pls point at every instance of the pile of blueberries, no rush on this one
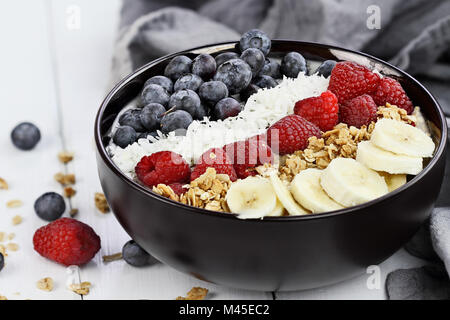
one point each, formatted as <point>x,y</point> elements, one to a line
<point>209,87</point>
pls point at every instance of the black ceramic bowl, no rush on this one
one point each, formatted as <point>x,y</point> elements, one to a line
<point>279,253</point>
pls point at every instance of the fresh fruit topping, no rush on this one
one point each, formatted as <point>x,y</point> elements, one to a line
<point>322,110</point>
<point>235,73</point>
<point>292,64</point>
<point>132,118</point>
<point>254,58</point>
<point>204,66</point>
<point>50,206</point>
<point>134,255</point>
<point>67,241</point>
<point>176,120</point>
<point>393,181</point>
<point>248,92</point>
<point>215,158</point>
<point>145,135</point>
<point>164,82</point>
<point>223,57</point>
<point>25,136</point>
<point>391,91</point>
<point>124,136</point>
<point>349,80</point>
<point>271,68</point>
<point>177,67</point>
<point>325,68</point>
<point>186,100</point>
<point>291,134</point>
<point>285,196</point>
<point>359,111</point>
<point>212,92</point>
<point>151,116</point>
<point>188,81</point>
<point>379,159</point>
<point>307,190</point>
<point>164,167</point>
<point>154,93</point>
<point>225,108</point>
<point>178,188</point>
<point>251,198</point>
<point>202,112</point>
<point>401,138</point>
<point>350,183</point>
<point>263,81</point>
<point>255,39</point>
<point>278,211</point>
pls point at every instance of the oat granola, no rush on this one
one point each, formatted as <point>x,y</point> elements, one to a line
<point>16,220</point>
<point>3,184</point>
<point>100,202</point>
<point>81,288</point>
<point>12,246</point>
<point>69,192</point>
<point>65,156</point>
<point>45,284</point>
<point>65,179</point>
<point>14,204</point>
<point>196,293</point>
<point>112,257</point>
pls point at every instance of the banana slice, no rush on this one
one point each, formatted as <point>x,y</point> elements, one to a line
<point>307,190</point>
<point>278,211</point>
<point>251,198</point>
<point>393,181</point>
<point>381,160</point>
<point>285,197</point>
<point>402,138</point>
<point>349,183</point>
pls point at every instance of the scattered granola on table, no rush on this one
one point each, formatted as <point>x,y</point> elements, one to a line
<point>65,156</point>
<point>11,236</point>
<point>65,179</point>
<point>45,284</point>
<point>112,257</point>
<point>2,236</point>
<point>3,184</point>
<point>14,204</point>
<point>196,293</point>
<point>69,192</point>
<point>73,212</point>
<point>81,288</point>
<point>3,250</point>
<point>12,246</point>
<point>16,220</point>
<point>3,297</point>
<point>100,202</point>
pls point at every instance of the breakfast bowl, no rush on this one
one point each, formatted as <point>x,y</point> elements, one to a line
<point>275,253</point>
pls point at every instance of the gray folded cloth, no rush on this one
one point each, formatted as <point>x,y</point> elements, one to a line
<point>414,35</point>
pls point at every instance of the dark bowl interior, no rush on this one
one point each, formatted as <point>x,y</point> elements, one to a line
<point>279,253</point>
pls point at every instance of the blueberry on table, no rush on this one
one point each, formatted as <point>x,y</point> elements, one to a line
<point>50,206</point>
<point>164,82</point>
<point>151,116</point>
<point>255,59</point>
<point>177,67</point>
<point>293,63</point>
<point>226,108</point>
<point>325,68</point>
<point>212,91</point>
<point>132,118</point>
<point>225,56</point>
<point>25,136</point>
<point>189,81</point>
<point>175,120</point>
<point>2,261</point>
<point>248,92</point>
<point>235,73</point>
<point>204,65</point>
<point>124,136</point>
<point>154,93</point>
<point>134,255</point>
<point>186,100</point>
<point>265,82</point>
<point>272,69</point>
<point>255,39</point>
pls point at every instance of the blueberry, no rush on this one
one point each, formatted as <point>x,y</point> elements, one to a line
<point>154,93</point>
<point>213,91</point>
<point>189,81</point>
<point>134,255</point>
<point>265,82</point>
<point>164,82</point>
<point>272,69</point>
<point>145,135</point>
<point>178,67</point>
<point>293,63</point>
<point>223,57</point>
<point>132,118</point>
<point>151,116</point>
<point>25,136</point>
<point>2,261</point>
<point>226,108</point>
<point>249,91</point>
<point>125,136</point>
<point>255,39</point>
<point>325,68</point>
<point>50,206</point>
<point>175,120</point>
<point>204,66</point>
<point>255,59</point>
<point>202,112</point>
<point>186,100</point>
<point>236,74</point>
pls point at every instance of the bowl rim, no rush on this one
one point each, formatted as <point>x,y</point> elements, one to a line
<point>194,210</point>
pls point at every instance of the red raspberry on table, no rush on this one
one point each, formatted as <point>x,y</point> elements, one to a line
<point>67,241</point>
<point>162,167</point>
<point>391,91</point>
<point>291,133</point>
<point>214,158</point>
<point>349,80</point>
<point>322,110</point>
<point>358,111</point>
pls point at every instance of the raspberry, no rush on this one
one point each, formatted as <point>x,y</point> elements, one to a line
<point>214,158</point>
<point>358,111</point>
<point>322,110</point>
<point>391,91</point>
<point>291,133</point>
<point>162,167</point>
<point>67,241</point>
<point>247,155</point>
<point>177,188</point>
<point>349,80</point>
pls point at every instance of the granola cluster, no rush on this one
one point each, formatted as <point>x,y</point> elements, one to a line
<point>393,112</point>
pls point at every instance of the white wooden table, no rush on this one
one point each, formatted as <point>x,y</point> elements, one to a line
<point>61,92</point>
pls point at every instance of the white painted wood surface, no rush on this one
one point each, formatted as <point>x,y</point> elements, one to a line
<point>28,92</point>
